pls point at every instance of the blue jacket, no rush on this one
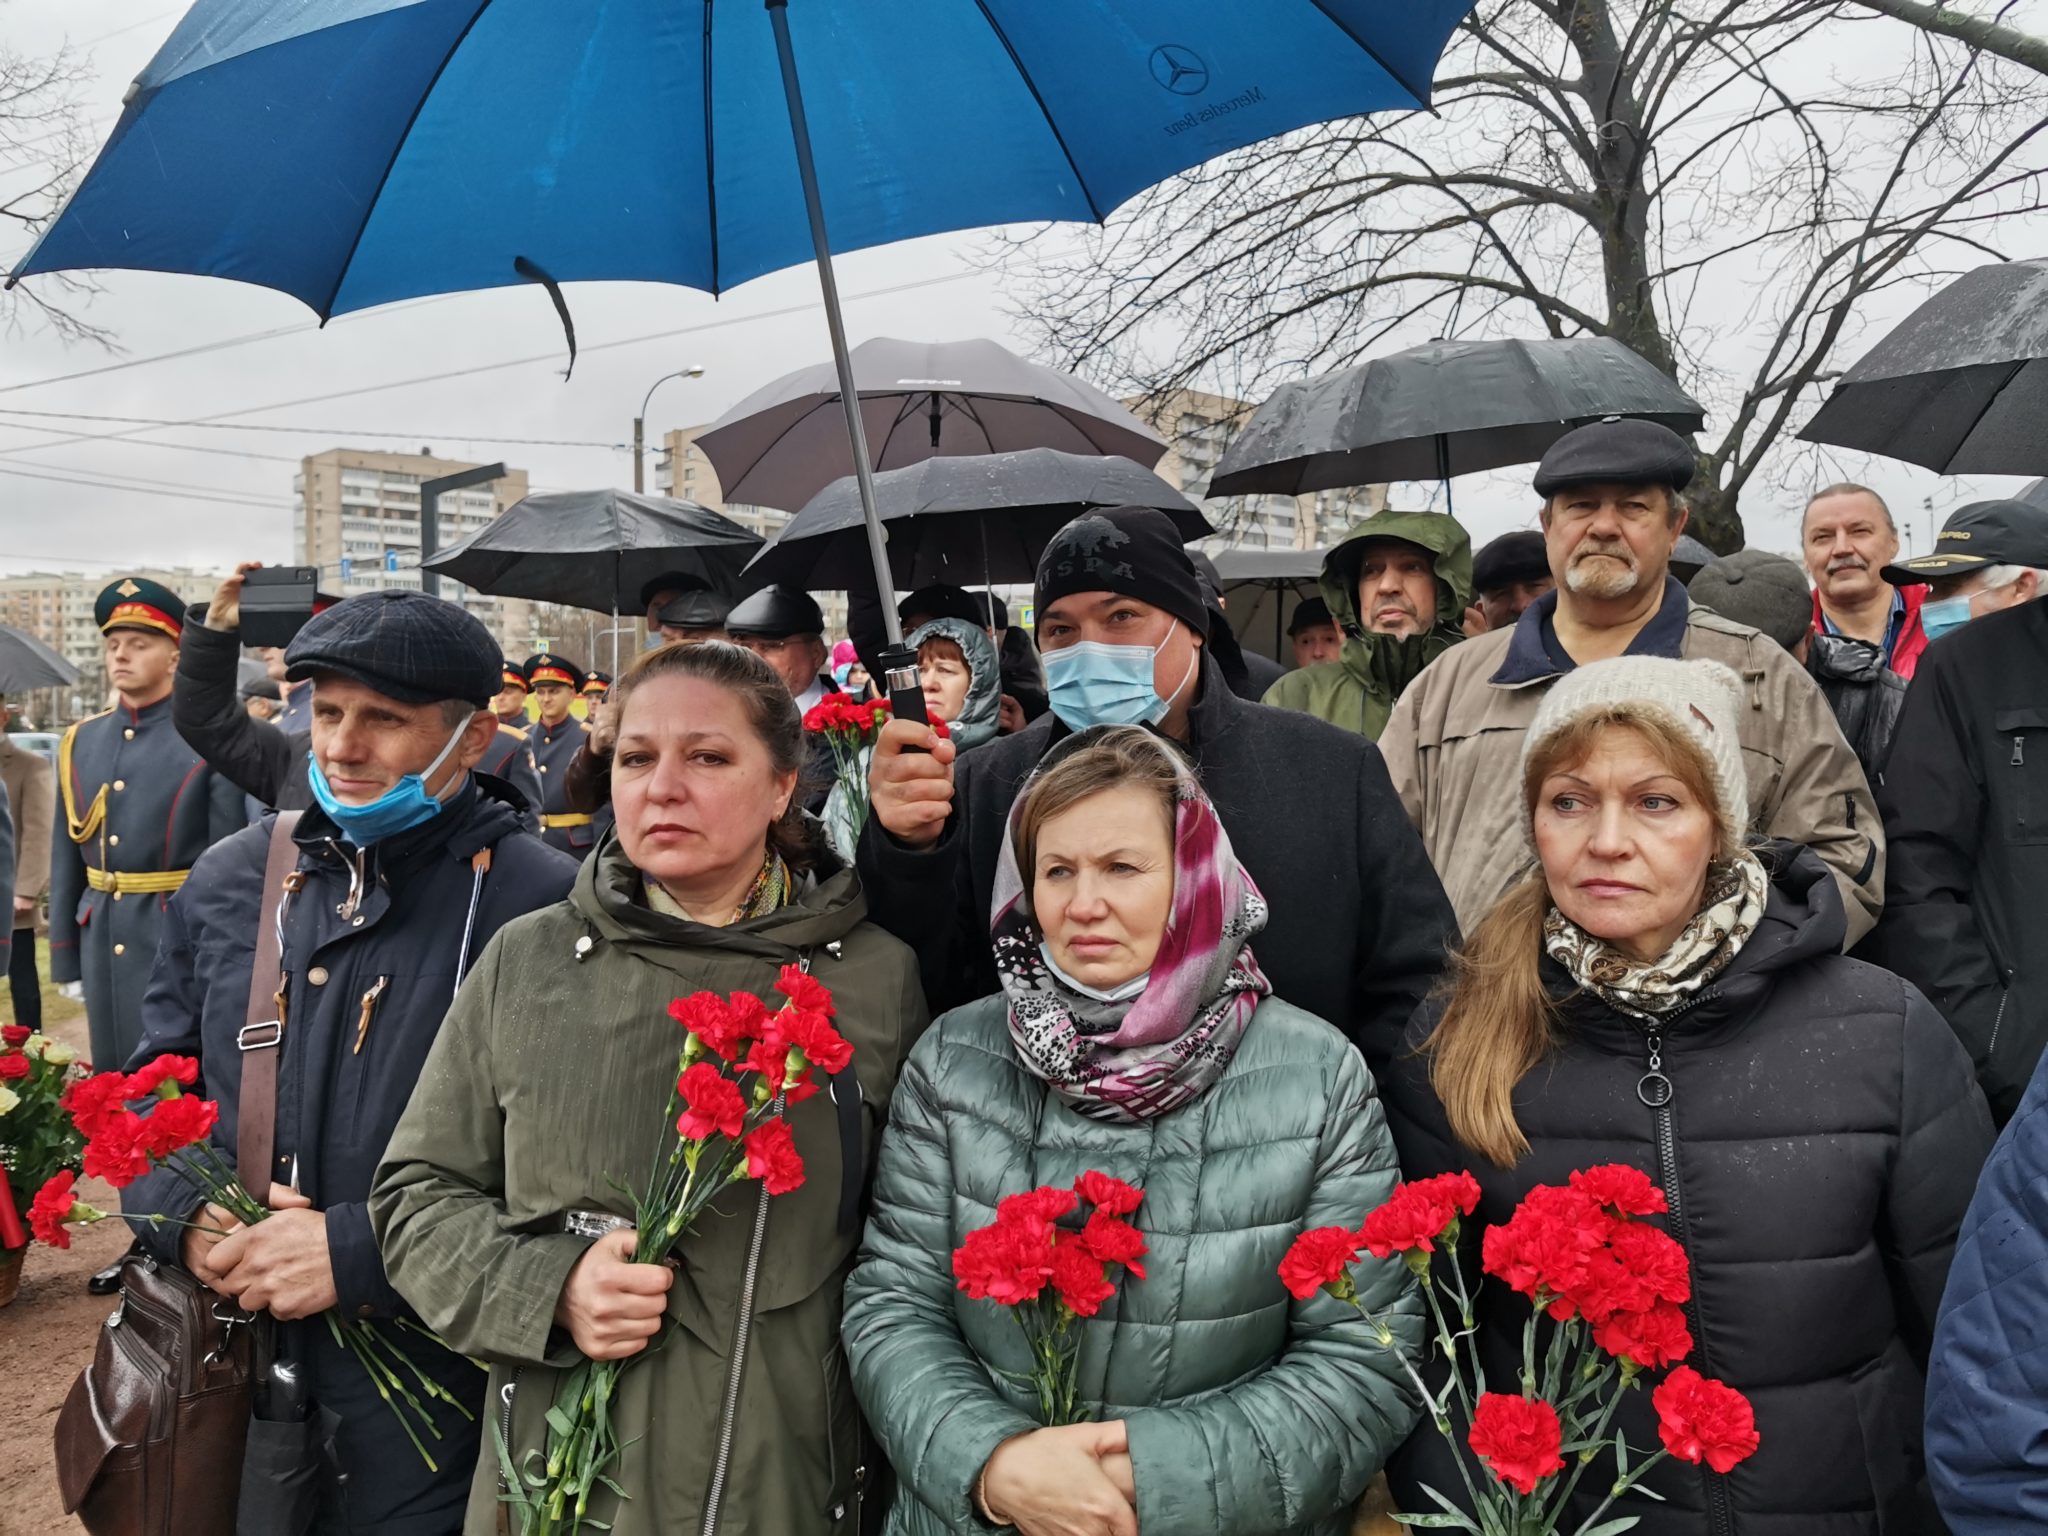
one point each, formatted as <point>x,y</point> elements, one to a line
<point>390,920</point>
<point>1987,1384</point>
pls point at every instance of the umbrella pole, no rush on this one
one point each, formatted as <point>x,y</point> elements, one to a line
<point>1443,469</point>
<point>849,397</point>
<point>988,584</point>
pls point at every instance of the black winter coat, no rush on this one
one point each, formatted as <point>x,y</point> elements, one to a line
<point>390,920</point>
<point>1863,692</point>
<point>1826,1139</point>
<point>1360,923</point>
<point>1965,802</point>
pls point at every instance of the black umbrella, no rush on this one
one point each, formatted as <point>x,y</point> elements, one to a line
<point>787,441</point>
<point>594,549</point>
<point>1960,385</point>
<point>1448,408</point>
<point>1261,588</point>
<point>983,518</point>
<point>27,664</point>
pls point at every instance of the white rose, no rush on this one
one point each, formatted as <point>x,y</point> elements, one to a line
<point>55,1052</point>
<point>8,1098</point>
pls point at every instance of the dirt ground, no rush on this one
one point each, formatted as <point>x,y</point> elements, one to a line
<point>47,1337</point>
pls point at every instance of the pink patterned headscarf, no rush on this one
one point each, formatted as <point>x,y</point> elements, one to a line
<point>1147,1055</point>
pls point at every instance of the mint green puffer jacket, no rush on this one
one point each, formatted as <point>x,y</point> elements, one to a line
<point>1247,1411</point>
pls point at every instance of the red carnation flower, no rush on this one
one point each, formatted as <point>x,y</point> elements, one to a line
<point>940,729</point>
<point>1047,1204</point>
<point>14,1036</point>
<point>115,1154</point>
<point>14,1065</point>
<point>1703,1420</point>
<point>772,1158</point>
<point>1006,1262</point>
<point>804,990</point>
<point>718,1024</point>
<point>1653,1257</point>
<point>1320,1258</point>
<point>166,1068</point>
<point>1108,1194</point>
<point>96,1102</point>
<point>1543,1250</point>
<point>1519,1439</point>
<point>769,1056</point>
<point>812,1033</point>
<point>1624,1190</point>
<point>1419,1213</point>
<point>1115,1241</point>
<point>54,1205</point>
<point>1652,1339</point>
<point>176,1124</point>
<point>714,1104</point>
<point>1078,1276</point>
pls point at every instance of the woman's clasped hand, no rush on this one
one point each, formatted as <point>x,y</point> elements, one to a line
<point>1073,1480</point>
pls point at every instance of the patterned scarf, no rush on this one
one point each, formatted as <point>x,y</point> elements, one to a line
<point>1731,907</point>
<point>773,889</point>
<point>1129,1060</point>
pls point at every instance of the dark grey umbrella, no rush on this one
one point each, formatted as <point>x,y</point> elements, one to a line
<point>1448,408</point>
<point>983,518</point>
<point>787,441</point>
<point>1960,385</point>
<point>1261,588</point>
<point>595,549</point>
<point>26,663</point>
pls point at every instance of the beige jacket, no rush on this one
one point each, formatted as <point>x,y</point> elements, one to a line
<point>1453,749</point>
<point>30,797</point>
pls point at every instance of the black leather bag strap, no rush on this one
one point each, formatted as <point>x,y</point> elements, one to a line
<point>262,1037</point>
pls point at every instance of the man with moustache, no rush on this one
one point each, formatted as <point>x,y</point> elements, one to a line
<point>1611,516</point>
<point>1848,537</point>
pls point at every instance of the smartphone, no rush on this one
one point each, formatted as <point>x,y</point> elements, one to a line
<point>276,602</point>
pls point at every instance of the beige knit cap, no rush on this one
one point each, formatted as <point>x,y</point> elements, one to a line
<point>1701,698</point>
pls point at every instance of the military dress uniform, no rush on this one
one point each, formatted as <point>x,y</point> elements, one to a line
<point>135,808</point>
<point>554,749</point>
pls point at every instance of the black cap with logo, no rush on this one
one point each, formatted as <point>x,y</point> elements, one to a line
<point>1980,534</point>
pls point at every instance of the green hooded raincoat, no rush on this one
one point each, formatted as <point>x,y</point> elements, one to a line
<point>1357,691</point>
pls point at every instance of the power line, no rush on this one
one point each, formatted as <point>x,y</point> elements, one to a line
<point>408,433</point>
<point>214,497</point>
<point>168,447</point>
<point>516,362</point>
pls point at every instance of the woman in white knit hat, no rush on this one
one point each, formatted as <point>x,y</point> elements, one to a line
<point>1659,991</point>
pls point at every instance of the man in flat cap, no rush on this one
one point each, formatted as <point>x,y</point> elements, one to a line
<point>691,618</point>
<point>785,628</point>
<point>1508,575</point>
<point>1359,922</point>
<point>556,737</point>
<point>1965,794</point>
<point>269,761</point>
<point>136,807</point>
<point>1314,633</point>
<point>389,889</point>
<point>1397,584</point>
<point>1611,515</point>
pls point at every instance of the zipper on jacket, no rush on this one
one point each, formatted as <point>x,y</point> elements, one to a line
<point>2019,751</point>
<point>505,1424</point>
<point>1656,1091</point>
<point>739,1359</point>
<point>1998,1019</point>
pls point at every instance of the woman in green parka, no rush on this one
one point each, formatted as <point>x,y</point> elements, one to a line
<point>1135,1035</point>
<point>546,1088</point>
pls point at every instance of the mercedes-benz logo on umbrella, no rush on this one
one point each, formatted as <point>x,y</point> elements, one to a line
<point>1180,69</point>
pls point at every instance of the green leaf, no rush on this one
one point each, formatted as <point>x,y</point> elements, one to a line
<point>560,1423</point>
<point>1614,1527</point>
<point>1437,1522</point>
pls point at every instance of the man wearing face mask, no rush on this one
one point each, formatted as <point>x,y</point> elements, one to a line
<point>1359,923</point>
<point>408,865</point>
<point>1965,795</point>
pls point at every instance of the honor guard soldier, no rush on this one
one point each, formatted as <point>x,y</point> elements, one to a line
<point>510,704</point>
<point>510,754</point>
<point>556,738</point>
<point>136,807</point>
<point>596,689</point>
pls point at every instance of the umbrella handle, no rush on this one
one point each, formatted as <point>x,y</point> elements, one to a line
<point>899,676</point>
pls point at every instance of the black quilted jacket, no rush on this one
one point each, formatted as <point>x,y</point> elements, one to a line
<point>1825,1138</point>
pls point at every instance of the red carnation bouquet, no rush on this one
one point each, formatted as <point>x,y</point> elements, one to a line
<point>850,728</point>
<point>1613,1288</point>
<point>37,1139</point>
<point>1050,1276</point>
<point>740,1066</point>
<point>122,1144</point>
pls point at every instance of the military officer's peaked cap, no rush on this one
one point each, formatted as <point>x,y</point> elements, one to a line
<point>515,675</point>
<point>1617,450</point>
<point>547,667</point>
<point>405,645</point>
<point>597,683</point>
<point>136,602</point>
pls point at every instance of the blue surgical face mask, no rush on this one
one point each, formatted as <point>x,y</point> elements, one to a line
<point>1090,683</point>
<point>400,808</point>
<point>1937,619</point>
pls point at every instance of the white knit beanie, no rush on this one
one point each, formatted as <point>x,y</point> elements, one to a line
<point>1701,698</point>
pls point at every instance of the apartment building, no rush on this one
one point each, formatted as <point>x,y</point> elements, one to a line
<point>57,608</point>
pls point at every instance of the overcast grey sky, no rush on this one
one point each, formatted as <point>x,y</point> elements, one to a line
<point>500,356</point>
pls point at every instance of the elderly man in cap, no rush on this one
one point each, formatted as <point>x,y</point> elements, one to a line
<point>1359,923</point>
<point>691,618</point>
<point>1508,575</point>
<point>400,875</point>
<point>1965,795</point>
<point>136,807</point>
<point>1611,514</point>
<point>786,629</point>
<point>268,760</point>
<point>1398,584</point>
<point>1847,538</point>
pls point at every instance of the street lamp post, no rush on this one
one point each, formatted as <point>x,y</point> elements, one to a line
<point>694,371</point>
